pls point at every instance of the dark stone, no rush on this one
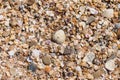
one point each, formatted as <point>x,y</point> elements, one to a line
<point>70,74</point>
<point>32,67</point>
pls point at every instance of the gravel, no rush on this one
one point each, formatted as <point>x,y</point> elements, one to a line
<point>68,50</point>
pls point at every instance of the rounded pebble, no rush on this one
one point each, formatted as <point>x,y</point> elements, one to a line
<point>46,60</point>
<point>59,36</point>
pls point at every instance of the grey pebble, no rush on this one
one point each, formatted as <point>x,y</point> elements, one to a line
<point>117,25</point>
<point>68,50</point>
<point>32,67</point>
<point>90,19</point>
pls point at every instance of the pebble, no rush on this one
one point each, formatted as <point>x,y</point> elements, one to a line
<point>68,50</point>
<point>46,60</point>
<point>108,13</point>
<point>59,36</point>
<point>89,57</point>
<point>78,68</point>
<point>35,53</point>
<point>47,69</point>
<point>32,67</point>
<point>110,65</point>
<point>98,73</point>
<point>92,10</point>
<point>90,19</point>
<point>11,53</point>
<point>50,13</point>
<point>117,25</point>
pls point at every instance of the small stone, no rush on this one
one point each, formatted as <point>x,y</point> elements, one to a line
<point>70,74</point>
<point>112,56</point>
<point>47,69</point>
<point>110,65</point>
<point>59,36</point>
<point>50,13</point>
<point>92,10</point>
<point>11,53</point>
<point>90,19</point>
<point>46,60</point>
<point>32,67</point>
<point>117,25</point>
<point>82,9</point>
<point>108,13</point>
<point>68,50</point>
<point>89,57</point>
<point>35,53</point>
<point>98,73</point>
